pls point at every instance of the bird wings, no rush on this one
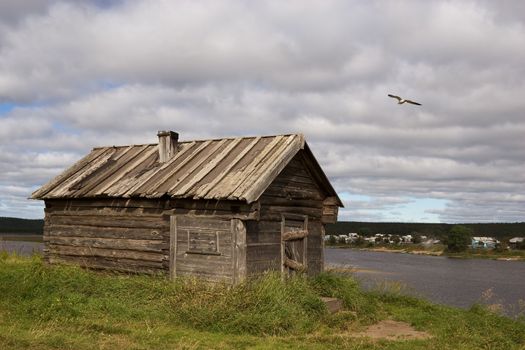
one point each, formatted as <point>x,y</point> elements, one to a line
<point>402,100</point>
<point>412,102</point>
<point>394,96</point>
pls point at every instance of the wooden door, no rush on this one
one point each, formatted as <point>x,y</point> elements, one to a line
<point>294,244</point>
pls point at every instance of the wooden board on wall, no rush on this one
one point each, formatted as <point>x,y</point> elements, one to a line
<point>224,258</point>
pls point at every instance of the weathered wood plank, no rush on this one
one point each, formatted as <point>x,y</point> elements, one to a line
<point>294,235</point>
<point>126,244</point>
<point>173,247</point>
<point>105,232</point>
<point>224,205</point>
<point>108,170</point>
<point>153,186</point>
<point>224,249</point>
<point>205,261</point>
<point>293,192</point>
<point>264,175</point>
<point>295,180</point>
<point>239,251</point>
<point>290,202</point>
<point>122,265</point>
<point>283,256</point>
<point>208,187</point>
<point>175,189</point>
<point>263,244</point>
<point>317,173</point>
<point>190,222</point>
<point>182,149</point>
<point>127,166</point>
<point>75,168</point>
<point>209,167</point>
<point>311,212</point>
<point>154,222</point>
<point>223,215</point>
<point>242,177</point>
<point>109,212</point>
<point>322,235</point>
<point>263,252</point>
<point>261,266</point>
<point>330,214</point>
<point>102,252</point>
<point>71,184</point>
<point>70,204</point>
<point>294,265</point>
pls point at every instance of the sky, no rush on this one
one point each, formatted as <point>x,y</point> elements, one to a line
<point>78,74</point>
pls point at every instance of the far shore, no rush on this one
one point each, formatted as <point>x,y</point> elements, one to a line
<point>23,237</point>
<point>513,255</point>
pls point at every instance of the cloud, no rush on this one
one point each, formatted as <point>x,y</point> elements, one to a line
<point>85,74</point>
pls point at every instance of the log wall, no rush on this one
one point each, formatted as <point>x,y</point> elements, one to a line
<point>294,192</point>
<point>130,235</point>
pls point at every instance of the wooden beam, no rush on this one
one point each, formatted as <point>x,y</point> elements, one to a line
<point>294,265</point>
<point>173,247</point>
<point>109,243</point>
<point>239,250</point>
<point>283,267</point>
<point>294,235</point>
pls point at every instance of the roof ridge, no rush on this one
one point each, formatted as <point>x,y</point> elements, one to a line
<point>199,140</point>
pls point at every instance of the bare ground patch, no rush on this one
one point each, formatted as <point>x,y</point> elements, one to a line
<point>392,330</point>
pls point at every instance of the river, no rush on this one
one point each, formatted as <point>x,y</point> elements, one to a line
<point>456,282</point>
<point>21,247</point>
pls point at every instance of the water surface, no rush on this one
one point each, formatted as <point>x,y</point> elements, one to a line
<point>21,247</point>
<point>457,282</point>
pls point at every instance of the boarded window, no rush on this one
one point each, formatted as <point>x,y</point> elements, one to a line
<point>207,247</point>
<point>202,242</point>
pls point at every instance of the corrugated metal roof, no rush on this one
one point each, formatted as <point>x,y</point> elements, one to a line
<point>230,168</point>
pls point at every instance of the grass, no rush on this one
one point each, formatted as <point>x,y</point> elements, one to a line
<point>63,307</point>
<point>489,254</point>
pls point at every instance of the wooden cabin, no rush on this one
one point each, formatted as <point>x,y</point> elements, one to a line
<point>219,209</point>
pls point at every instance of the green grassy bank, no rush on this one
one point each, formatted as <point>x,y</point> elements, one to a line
<point>59,307</point>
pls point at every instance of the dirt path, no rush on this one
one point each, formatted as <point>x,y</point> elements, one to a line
<point>392,330</point>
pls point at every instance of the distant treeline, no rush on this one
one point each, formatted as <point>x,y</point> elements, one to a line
<point>16,225</point>
<point>498,230</point>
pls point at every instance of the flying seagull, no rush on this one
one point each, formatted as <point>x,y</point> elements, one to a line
<point>400,100</point>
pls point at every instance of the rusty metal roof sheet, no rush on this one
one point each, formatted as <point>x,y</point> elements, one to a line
<point>230,168</point>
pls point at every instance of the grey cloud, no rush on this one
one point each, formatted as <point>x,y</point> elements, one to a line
<point>109,73</point>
